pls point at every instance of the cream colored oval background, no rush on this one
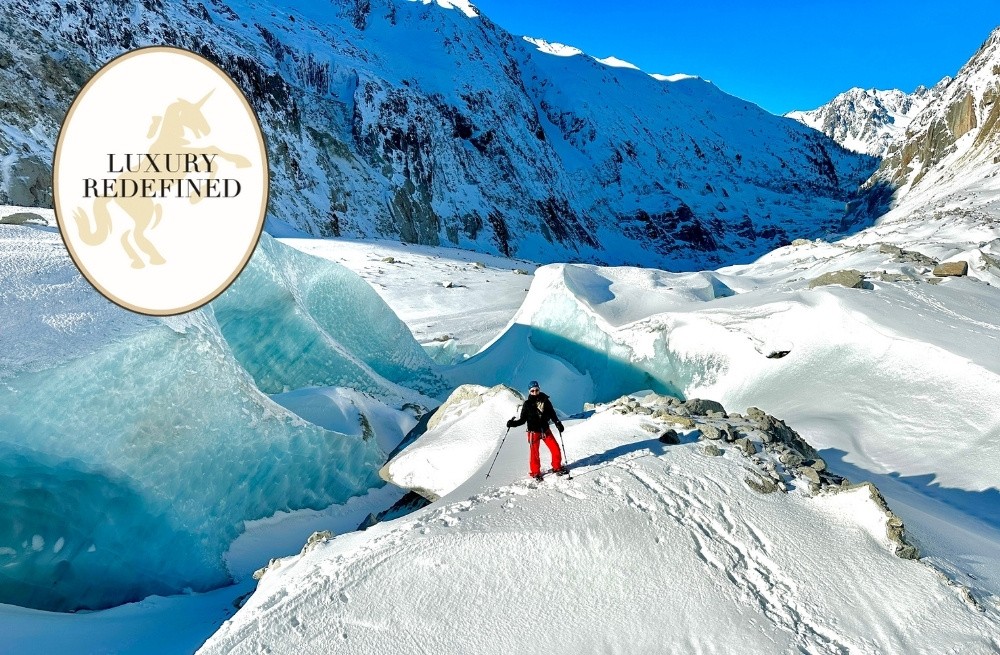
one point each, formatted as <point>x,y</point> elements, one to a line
<point>131,106</point>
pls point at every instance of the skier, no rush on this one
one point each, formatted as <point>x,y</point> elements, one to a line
<point>537,411</point>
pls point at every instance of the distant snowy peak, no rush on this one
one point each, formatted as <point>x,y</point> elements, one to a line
<point>676,77</point>
<point>563,50</point>
<point>617,63</point>
<point>867,120</point>
<point>551,48</point>
<point>953,142</point>
<point>462,5</point>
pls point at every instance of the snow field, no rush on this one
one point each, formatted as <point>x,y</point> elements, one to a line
<point>650,546</point>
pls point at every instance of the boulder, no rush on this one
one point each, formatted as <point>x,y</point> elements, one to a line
<point>890,249</point>
<point>951,269</point>
<point>894,277</point>
<point>274,563</point>
<point>747,446</point>
<point>683,421</point>
<point>669,437</point>
<point>700,407</point>
<point>810,474</point>
<point>790,459</point>
<point>761,485</point>
<point>849,278</point>
<point>712,450</point>
<point>711,432</point>
<point>917,258</point>
<point>20,218</point>
<point>315,539</point>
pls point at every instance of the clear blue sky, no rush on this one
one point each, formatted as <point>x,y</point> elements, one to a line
<point>782,55</point>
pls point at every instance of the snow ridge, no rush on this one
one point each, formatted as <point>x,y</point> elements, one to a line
<point>681,512</point>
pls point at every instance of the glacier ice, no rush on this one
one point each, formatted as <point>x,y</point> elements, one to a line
<point>130,468</point>
<point>294,321</point>
<point>558,338</point>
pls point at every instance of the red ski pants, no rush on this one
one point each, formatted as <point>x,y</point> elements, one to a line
<point>534,464</point>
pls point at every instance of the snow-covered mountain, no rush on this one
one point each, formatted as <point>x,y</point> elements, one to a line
<point>952,146</point>
<point>867,120</point>
<point>425,122</point>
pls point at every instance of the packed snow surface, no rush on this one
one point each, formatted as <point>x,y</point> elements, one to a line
<point>646,547</point>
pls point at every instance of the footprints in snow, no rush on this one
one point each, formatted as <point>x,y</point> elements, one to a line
<point>728,546</point>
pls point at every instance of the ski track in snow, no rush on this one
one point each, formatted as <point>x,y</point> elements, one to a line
<point>951,314</point>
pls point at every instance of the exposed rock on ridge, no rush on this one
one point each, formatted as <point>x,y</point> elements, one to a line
<point>956,133</point>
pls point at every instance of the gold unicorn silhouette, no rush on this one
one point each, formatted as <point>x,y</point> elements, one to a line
<point>170,138</point>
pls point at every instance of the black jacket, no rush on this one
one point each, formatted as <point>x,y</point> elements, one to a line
<point>537,411</point>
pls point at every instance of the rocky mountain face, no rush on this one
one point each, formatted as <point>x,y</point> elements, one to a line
<point>958,132</point>
<point>426,122</point>
<point>868,120</point>
<point>946,161</point>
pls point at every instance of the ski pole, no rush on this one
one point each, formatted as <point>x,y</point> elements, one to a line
<point>569,476</point>
<point>501,446</point>
<point>498,452</point>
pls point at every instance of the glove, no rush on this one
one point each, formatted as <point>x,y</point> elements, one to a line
<point>559,426</point>
<point>511,423</point>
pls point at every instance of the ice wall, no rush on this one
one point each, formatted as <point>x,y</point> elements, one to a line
<point>294,320</point>
<point>584,342</point>
<point>128,468</point>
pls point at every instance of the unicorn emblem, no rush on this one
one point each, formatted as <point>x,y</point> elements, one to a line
<point>168,134</point>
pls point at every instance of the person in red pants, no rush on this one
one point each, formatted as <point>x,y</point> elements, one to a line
<point>537,411</point>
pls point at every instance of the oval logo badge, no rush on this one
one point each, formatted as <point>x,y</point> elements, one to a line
<point>160,181</point>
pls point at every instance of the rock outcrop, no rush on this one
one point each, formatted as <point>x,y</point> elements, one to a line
<point>779,459</point>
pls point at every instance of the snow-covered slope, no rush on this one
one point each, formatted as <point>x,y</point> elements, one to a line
<point>893,383</point>
<point>867,120</point>
<point>647,548</point>
<point>427,123</point>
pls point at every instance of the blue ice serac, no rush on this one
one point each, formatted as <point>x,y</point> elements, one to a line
<point>129,470</point>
